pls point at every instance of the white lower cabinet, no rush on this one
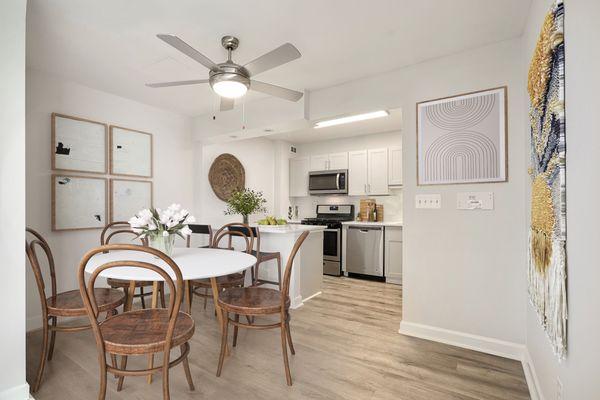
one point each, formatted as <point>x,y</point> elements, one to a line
<point>393,254</point>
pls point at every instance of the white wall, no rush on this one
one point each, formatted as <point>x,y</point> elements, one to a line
<point>392,204</point>
<point>12,200</point>
<point>463,271</point>
<point>258,156</point>
<point>578,373</point>
<point>173,149</point>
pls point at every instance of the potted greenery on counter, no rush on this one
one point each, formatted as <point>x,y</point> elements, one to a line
<point>246,202</point>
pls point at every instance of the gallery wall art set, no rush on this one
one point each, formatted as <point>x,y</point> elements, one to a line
<point>84,146</point>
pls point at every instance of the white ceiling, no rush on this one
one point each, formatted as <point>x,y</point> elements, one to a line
<point>392,122</point>
<point>110,45</point>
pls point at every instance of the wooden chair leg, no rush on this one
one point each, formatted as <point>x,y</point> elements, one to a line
<point>165,377</point>
<point>52,339</point>
<point>286,363</point>
<point>142,297</point>
<point>289,335</point>
<point>188,295</point>
<point>38,379</point>
<point>255,280</point>
<point>113,359</point>
<point>102,391</point>
<point>225,319</point>
<point>186,368</point>
<point>162,294</point>
<point>122,377</point>
<point>279,271</point>
<point>126,300</point>
<point>235,330</point>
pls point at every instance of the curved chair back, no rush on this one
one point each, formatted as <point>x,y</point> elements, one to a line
<point>200,230</point>
<point>248,231</point>
<point>87,289</point>
<point>118,228</point>
<point>30,250</point>
<point>226,232</point>
<point>285,288</point>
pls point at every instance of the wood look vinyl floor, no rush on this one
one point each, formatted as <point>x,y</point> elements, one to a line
<point>347,347</point>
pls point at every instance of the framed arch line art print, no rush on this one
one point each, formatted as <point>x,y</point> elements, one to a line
<point>463,138</point>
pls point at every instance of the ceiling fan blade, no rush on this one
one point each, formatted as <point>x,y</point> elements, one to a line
<point>226,104</point>
<point>176,83</point>
<point>281,55</point>
<point>188,50</point>
<point>277,91</point>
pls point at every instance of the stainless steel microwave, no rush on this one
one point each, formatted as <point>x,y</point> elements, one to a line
<point>328,182</point>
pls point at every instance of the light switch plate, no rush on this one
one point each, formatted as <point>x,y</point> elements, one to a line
<point>428,201</point>
<point>475,201</point>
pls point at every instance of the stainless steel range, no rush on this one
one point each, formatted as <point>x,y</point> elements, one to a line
<point>332,216</point>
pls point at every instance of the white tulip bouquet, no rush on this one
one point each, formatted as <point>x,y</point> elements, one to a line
<point>161,226</point>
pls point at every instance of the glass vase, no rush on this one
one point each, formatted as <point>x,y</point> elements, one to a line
<point>245,219</point>
<point>162,243</point>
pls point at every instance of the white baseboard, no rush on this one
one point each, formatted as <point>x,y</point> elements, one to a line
<point>20,392</point>
<point>484,344</point>
<point>535,391</point>
<point>311,296</point>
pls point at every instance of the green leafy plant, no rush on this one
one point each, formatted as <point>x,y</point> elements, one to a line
<point>246,202</point>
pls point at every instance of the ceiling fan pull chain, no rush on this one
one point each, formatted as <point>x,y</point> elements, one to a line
<point>244,113</point>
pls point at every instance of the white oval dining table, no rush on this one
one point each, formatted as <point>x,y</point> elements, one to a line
<point>194,263</point>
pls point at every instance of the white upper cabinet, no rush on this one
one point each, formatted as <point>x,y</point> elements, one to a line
<point>357,173</point>
<point>323,162</point>
<point>299,168</point>
<point>395,166</point>
<point>319,162</point>
<point>338,161</point>
<point>377,172</point>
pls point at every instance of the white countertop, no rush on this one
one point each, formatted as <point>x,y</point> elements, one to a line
<point>289,228</point>
<point>366,223</point>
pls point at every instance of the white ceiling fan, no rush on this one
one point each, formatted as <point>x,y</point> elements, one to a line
<point>230,80</point>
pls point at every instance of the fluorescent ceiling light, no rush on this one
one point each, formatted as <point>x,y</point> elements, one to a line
<point>351,118</point>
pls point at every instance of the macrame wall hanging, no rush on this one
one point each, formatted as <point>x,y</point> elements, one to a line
<point>547,236</point>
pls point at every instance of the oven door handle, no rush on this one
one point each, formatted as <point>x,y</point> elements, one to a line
<point>337,180</point>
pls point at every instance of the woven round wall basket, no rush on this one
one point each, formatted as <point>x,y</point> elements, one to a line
<point>226,176</point>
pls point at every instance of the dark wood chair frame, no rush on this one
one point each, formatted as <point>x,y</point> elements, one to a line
<point>223,232</point>
<point>123,228</point>
<point>50,314</point>
<point>250,310</point>
<point>173,309</point>
<point>261,256</point>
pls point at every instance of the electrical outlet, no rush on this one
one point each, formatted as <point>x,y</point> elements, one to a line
<point>428,201</point>
<point>559,390</point>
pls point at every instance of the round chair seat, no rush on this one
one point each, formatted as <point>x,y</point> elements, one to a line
<point>252,300</point>
<point>70,304</point>
<point>226,281</point>
<point>144,331</point>
<point>122,283</point>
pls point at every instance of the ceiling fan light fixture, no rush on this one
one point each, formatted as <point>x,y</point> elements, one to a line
<point>230,89</point>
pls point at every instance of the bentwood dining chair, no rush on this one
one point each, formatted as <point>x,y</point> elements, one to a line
<point>199,229</point>
<point>66,304</point>
<point>260,301</point>
<point>261,257</point>
<point>139,332</point>
<point>227,281</point>
<point>121,229</point>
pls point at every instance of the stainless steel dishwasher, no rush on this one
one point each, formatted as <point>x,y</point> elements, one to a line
<point>364,250</point>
